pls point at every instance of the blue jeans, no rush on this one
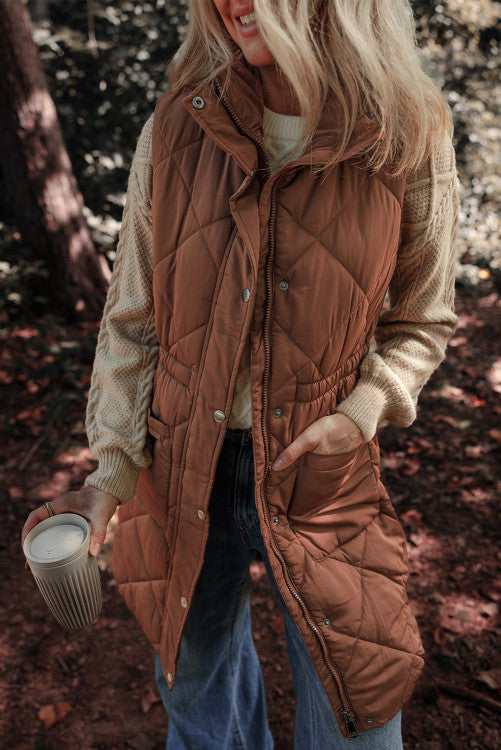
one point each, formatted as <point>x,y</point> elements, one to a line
<point>218,699</point>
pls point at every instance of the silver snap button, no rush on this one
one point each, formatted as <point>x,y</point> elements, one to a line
<point>277,412</point>
<point>275,520</point>
<point>369,721</point>
<point>184,601</point>
<point>219,415</point>
<point>283,286</point>
<point>327,622</point>
<point>170,676</point>
<point>198,102</point>
<point>201,514</point>
<point>246,295</point>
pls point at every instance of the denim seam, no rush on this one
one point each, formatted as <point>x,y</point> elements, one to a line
<point>237,469</point>
<point>239,734</point>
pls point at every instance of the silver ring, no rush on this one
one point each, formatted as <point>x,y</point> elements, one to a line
<point>48,509</point>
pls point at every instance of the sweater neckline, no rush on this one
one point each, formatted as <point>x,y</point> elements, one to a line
<point>282,127</point>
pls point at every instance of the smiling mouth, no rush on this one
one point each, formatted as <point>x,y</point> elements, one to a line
<point>248,19</point>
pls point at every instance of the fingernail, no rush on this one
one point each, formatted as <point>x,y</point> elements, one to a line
<point>278,463</point>
<point>95,549</point>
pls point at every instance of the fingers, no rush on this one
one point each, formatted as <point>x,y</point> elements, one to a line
<point>96,541</point>
<point>291,454</point>
<point>61,504</point>
<point>333,433</point>
<point>37,515</point>
<point>95,506</point>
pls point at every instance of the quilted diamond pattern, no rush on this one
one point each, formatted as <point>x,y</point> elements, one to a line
<point>338,551</point>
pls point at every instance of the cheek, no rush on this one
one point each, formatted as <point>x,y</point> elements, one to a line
<point>223,8</point>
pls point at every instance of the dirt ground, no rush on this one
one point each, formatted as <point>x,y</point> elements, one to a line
<point>94,688</point>
<point>442,474</point>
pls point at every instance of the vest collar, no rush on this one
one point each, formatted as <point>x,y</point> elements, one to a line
<point>235,120</point>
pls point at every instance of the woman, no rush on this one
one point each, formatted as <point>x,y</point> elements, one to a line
<point>299,166</point>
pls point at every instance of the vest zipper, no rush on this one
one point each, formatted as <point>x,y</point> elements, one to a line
<point>257,141</point>
<point>346,710</point>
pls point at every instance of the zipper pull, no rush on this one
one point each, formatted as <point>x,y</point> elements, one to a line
<point>350,723</point>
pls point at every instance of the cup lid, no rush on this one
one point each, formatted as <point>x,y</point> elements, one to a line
<point>57,540</point>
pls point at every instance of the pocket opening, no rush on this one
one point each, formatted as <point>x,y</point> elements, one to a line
<point>156,428</point>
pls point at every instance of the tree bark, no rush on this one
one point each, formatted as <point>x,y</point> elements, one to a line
<point>37,172</point>
<point>38,9</point>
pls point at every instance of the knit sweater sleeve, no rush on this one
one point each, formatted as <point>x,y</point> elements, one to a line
<point>127,346</point>
<point>412,335</point>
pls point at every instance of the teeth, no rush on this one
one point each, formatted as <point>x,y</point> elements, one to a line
<point>250,18</point>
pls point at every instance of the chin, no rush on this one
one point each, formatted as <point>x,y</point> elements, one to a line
<point>262,59</point>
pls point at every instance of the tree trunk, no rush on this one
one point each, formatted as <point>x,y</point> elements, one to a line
<point>38,174</point>
<point>38,9</point>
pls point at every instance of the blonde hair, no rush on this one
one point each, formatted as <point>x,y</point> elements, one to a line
<point>364,51</point>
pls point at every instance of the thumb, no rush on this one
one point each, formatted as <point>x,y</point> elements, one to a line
<point>96,541</point>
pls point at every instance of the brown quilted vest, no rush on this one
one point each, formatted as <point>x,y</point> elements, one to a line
<point>303,262</point>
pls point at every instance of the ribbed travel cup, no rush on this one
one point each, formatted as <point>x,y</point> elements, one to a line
<point>57,551</point>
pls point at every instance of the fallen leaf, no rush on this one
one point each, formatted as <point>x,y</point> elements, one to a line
<point>492,678</point>
<point>445,418</point>
<point>494,593</point>
<point>411,466</point>
<point>489,609</point>
<point>476,401</point>
<point>473,451</point>
<point>149,699</point>
<point>52,713</point>
<point>412,517</point>
<point>438,636</point>
<point>458,573</point>
<point>277,624</point>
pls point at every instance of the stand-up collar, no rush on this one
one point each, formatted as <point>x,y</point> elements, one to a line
<point>231,111</point>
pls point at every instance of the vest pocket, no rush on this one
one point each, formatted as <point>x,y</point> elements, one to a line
<point>334,498</point>
<point>156,428</point>
<point>156,500</point>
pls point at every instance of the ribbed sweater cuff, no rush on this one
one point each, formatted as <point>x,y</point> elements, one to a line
<point>369,404</point>
<point>116,474</point>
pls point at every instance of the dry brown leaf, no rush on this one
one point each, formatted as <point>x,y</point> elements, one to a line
<point>52,713</point>
<point>491,678</point>
<point>277,624</point>
<point>412,517</point>
<point>149,699</point>
<point>411,466</point>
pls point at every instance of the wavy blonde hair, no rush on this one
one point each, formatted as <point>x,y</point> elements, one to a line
<point>364,51</point>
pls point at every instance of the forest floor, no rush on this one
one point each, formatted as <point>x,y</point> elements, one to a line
<point>94,688</point>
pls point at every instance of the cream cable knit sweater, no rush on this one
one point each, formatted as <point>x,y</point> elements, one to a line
<point>410,340</point>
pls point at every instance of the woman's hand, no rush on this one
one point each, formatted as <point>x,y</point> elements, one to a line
<point>334,433</point>
<point>93,504</point>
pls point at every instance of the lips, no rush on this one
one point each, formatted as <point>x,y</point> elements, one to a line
<point>245,30</point>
